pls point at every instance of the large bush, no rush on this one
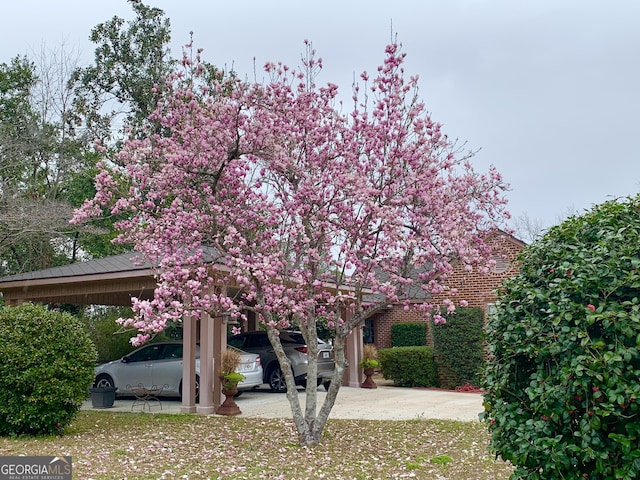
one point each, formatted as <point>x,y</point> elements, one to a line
<point>46,367</point>
<point>458,347</point>
<point>408,366</point>
<point>111,341</point>
<point>409,334</point>
<point>563,395</point>
<point>107,335</point>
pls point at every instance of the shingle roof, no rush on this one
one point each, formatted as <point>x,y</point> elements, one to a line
<point>125,262</point>
<point>113,264</point>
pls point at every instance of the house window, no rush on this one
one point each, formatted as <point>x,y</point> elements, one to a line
<point>367,331</point>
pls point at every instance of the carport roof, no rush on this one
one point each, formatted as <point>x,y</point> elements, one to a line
<point>105,281</point>
<point>108,265</point>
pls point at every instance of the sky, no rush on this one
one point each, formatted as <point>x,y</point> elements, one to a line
<point>547,91</point>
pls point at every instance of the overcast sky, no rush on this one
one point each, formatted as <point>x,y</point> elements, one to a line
<point>548,91</point>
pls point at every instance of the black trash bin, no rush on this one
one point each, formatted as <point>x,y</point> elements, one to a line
<point>102,397</point>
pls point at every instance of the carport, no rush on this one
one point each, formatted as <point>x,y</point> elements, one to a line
<point>113,281</point>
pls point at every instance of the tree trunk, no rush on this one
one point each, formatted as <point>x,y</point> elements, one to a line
<point>309,425</point>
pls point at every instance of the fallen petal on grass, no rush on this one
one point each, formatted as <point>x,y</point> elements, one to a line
<point>106,445</point>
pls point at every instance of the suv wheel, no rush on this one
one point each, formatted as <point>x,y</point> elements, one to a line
<point>276,380</point>
<point>104,381</point>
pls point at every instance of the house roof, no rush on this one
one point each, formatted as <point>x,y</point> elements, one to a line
<point>113,281</point>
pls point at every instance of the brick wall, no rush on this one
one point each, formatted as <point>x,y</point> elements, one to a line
<point>476,288</point>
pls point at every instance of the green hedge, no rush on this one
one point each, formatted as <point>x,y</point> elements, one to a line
<point>103,331</point>
<point>459,347</point>
<point>409,334</point>
<point>562,376</point>
<point>409,366</point>
<point>46,367</point>
<point>112,343</point>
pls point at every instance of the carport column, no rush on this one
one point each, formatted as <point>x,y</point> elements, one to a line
<point>250,324</point>
<point>353,347</point>
<point>206,407</point>
<point>188,365</point>
<point>219,346</point>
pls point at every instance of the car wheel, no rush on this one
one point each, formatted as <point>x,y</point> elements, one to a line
<point>238,394</point>
<point>104,381</point>
<point>276,380</point>
<point>326,385</point>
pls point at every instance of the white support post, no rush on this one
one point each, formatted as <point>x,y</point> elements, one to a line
<point>353,346</point>
<point>206,407</point>
<point>188,365</point>
<point>219,346</point>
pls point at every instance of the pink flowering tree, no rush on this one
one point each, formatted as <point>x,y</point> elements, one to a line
<point>303,209</point>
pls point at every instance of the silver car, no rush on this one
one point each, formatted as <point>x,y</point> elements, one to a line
<point>296,351</point>
<point>160,365</point>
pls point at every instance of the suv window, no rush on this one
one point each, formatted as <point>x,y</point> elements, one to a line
<point>171,352</point>
<point>290,337</point>
<point>261,340</point>
<point>236,341</point>
<point>152,352</point>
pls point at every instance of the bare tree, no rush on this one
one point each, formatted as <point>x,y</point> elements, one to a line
<point>526,228</point>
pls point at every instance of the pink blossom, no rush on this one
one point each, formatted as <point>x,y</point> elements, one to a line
<point>439,320</point>
<point>591,307</point>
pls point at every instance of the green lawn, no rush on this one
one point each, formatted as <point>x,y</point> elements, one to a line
<point>108,445</point>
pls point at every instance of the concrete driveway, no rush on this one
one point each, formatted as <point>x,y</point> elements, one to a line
<point>383,403</point>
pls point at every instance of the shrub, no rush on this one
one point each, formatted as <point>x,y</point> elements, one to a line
<point>46,368</point>
<point>113,343</point>
<point>458,347</point>
<point>409,334</point>
<point>104,333</point>
<point>563,395</point>
<point>408,366</point>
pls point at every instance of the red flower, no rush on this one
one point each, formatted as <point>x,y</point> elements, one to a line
<point>591,307</point>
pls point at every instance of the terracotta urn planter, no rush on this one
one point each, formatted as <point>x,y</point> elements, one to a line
<point>368,381</point>
<point>229,406</point>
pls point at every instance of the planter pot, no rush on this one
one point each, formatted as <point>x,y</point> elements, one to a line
<point>103,397</point>
<point>368,381</point>
<point>229,406</point>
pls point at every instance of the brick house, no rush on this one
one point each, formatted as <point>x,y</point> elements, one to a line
<point>476,288</point>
